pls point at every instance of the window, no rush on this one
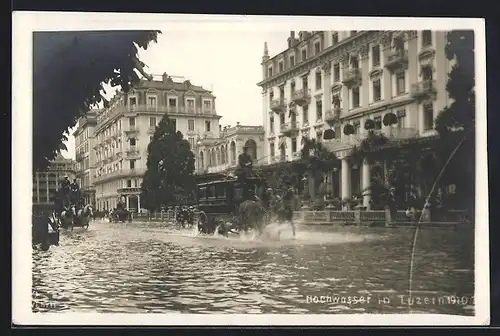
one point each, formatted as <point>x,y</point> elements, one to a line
<point>191,125</point>
<point>271,125</point>
<point>174,123</point>
<point>378,123</point>
<point>354,62</point>
<point>280,66</point>
<point>375,56</point>
<point>305,114</point>
<point>207,105</point>
<point>292,61</point>
<point>428,116</point>
<point>377,90</point>
<point>190,104</point>
<point>317,48</point>
<point>426,73</point>
<point>271,96</point>
<point>129,183</point>
<point>172,102</point>
<point>335,38</point>
<point>282,118</point>
<point>426,38</point>
<point>400,83</point>
<point>294,145</point>
<point>191,142</point>
<point>292,88</point>
<point>207,125</point>
<point>131,121</point>
<point>355,97</point>
<point>282,93</point>
<point>152,121</point>
<point>357,125</point>
<point>319,110</point>
<point>132,164</point>
<point>318,80</point>
<point>270,72</point>
<point>401,114</point>
<point>271,150</point>
<point>305,84</point>
<point>132,101</point>
<point>336,72</point>
<point>304,54</point>
<point>151,101</point>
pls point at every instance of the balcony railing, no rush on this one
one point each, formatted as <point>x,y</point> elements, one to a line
<point>397,59</point>
<point>423,89</point>
<point>278,105</point>
<point>167,109</point>
<point>132,129</point>
<point>351,77</point>
<point>288,128</point>
<point>132,153</point>
<point>120,173</point>
<point>333,114</point>
<point>302,97</point>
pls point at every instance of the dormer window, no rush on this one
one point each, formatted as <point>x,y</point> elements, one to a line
<point>280,66</point>
<point>292,60</point>
<point>304,54</point>
<point>317,48</point>
<point>270,72</point>
<point>132,101</point>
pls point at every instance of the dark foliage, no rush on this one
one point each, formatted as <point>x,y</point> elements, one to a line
<point>169,177</point>
<point>69,69</point>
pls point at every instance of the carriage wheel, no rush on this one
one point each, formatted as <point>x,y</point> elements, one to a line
<point>202,222</point>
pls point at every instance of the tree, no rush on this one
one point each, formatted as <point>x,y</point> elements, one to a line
<point>169,176</point>
<point>456,123</point>
<point>69,69</point>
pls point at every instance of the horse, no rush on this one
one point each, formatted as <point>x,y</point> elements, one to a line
<point>67,216</point>
<point>84,216</point>
<point>252,215</point>
<point>283,212</point>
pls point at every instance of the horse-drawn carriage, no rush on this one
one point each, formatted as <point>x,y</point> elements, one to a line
<point>230,205</point>
<point>76,217</point>
<point>120,215</point>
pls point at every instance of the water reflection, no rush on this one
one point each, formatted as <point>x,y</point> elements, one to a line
<point>157,269</point>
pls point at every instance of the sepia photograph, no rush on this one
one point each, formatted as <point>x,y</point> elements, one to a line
<point>248,170</point>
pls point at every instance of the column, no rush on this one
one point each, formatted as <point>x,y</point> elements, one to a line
<point>346,180</point>
<point>366,183</point>
<point>138,203</point>
<point>127,201</point>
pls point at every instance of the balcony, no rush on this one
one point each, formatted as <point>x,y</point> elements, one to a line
<point>151,130</point>
<point>129,190</point>
<point>289,128</point>
<point>132,130</point>
<point>397,59</point>
<point>278,105</point>
<point>400,133</point>
<point>132,111</point>
<point>302,97</point>
<point>351,77</point>
<point>424,90</point>
<point>132,153</point>
<point>119,174</point>
<point>333,115</point>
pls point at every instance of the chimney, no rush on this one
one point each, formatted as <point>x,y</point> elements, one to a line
<point>164,77</point>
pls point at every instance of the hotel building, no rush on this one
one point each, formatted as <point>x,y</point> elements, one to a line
<point>332,79</point>
<point>124,130</point>
<point>85,155</point>
<point>221,153</point>
<point>46,183</point>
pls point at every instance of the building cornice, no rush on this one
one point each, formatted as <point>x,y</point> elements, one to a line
<point>336,53</point>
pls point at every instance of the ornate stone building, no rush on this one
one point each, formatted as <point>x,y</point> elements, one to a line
<point>124,130</point>
<point>337,79</point>
<point>85,155</point>
<point>218,154</point>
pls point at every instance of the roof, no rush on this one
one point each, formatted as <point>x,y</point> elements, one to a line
<point>171,85</point>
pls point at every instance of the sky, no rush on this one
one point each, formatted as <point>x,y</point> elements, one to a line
<point>225,61</point>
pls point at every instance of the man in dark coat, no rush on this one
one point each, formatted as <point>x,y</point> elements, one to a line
<point>65,191</point>
<point>244,159</point>
<point>75,193</point>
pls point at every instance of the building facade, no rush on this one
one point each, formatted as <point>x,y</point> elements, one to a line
<point>221,153</point>
<point>46,183</point>
<point>338,79</point>
<point>124,130</point>
<point>85,155</point>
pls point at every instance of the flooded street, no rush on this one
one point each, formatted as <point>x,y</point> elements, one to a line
<point>156,268</point>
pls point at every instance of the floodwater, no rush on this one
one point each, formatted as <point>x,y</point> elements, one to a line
<point>156,268</point>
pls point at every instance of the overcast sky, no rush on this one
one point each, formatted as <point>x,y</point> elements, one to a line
<point>226,61</point>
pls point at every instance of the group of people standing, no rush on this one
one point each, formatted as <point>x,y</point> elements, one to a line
<point>68,194</point>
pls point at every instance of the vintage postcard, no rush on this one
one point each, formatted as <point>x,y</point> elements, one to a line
<point>249,170</point>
